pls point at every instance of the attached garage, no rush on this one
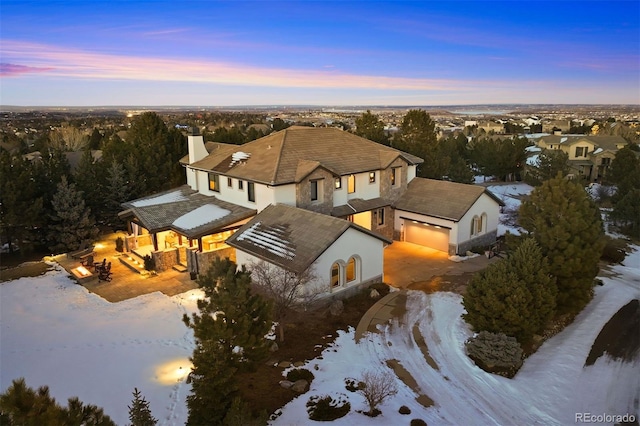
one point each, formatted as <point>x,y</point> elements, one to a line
<point>435,237</point>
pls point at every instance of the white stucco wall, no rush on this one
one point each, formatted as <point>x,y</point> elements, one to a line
<point>284,194</point>
<point>411,172</point>
<point>369,249</point>
<point>484,204</point>
<point>364,189</point>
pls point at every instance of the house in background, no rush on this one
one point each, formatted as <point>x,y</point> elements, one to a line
<point>334,199</point>
<point>589,156</point>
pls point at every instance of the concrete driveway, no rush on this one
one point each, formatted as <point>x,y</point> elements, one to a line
<point>412,266</point>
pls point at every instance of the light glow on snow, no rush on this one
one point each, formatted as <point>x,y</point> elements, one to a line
<point>174,371</point>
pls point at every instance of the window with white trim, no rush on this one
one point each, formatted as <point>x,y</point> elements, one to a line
<point>214,182</point>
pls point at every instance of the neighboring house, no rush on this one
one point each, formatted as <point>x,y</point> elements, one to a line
<point>589,156</point>
<point>346,187</point>
<point>447,216</point>
<point>342,255</point>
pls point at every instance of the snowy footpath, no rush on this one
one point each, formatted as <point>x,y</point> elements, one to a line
<point>54,332</point>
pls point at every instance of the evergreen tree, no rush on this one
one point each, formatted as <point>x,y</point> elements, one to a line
<point>24,406</point>
<point>21,205</point>
<point>548,165</point>
<point>417,136</point>
<point>515,297</point>
<point>498,302</point>
<point>88,177</point>
<point>370,127</point>
<point>71,224</point>
<point>139,411</point>
<point>626,213</point>
<point>95,140</point>
<point>230,336</point>
<point>566,224</point>
<point>116,192</point>
<point>624,172</point>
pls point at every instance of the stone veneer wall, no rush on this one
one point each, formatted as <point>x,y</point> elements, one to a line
<point>347,292</point>
<point>325,185</point>
<point>479,241</point>
<point>394,192</point>
<point>199,261</point>
<point>165,259</point>
<point>386,229</point>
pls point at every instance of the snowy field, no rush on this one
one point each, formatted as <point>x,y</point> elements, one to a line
<point>56,333</point>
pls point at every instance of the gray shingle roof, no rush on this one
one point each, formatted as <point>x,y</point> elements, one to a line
<point>358,205</point>
<point>290,237</point>
<point>167,210</point>
<point>604,142</point>
<point>439,198</point>
<point>291,154</point>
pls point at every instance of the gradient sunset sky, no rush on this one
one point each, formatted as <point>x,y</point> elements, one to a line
<point>209,53</point>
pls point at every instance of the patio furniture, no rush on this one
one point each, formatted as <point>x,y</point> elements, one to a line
<point>98,266</point>
<point>83,252</point>
<point>104,274</point>
<point>87,261</point>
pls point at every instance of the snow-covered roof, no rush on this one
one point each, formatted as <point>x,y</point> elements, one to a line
<point>200,216</point>
<point>270,238</point>
<point>168,197</point>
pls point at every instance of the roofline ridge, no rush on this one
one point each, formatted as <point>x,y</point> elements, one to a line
<point>277,167</point>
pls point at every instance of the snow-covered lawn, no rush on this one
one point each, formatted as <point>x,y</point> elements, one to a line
<point>56,333</point>
<point>511,195</point>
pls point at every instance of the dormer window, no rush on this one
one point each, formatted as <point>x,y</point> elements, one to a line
<point>314,190</point>
<point>394,176</point>
<point>372,177</point>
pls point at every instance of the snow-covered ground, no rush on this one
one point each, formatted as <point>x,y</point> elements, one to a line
<point>56,333</point>
<point>511,195</point>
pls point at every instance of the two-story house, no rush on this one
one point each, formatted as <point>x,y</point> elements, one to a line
<point>589,156</point>
<point>306,197</point>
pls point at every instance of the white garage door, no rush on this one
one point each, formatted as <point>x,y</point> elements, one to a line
<point>426,235</point>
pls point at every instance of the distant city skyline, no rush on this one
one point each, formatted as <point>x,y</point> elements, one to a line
<point>156,53</point>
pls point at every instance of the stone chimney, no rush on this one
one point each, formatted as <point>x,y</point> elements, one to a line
<point>195,143</point>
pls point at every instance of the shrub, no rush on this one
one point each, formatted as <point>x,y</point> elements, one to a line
<point>352,385</point>
<point>613,251</point>
<point>378,386</point>
<point>404,410</point>
<point>149,263</point>
<point>495,353</point>
<point>300,374</point>
<point>325,408</point>
<point>119,245</point>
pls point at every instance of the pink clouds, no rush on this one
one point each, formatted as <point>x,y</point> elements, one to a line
<point>64,62</point>
<point>14,70</point>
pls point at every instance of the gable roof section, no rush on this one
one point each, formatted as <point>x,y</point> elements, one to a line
<point>185,211</point>
<point>290,237</point>
<point>284,157</point>
<point>442,199</point>
<point>604,142</point>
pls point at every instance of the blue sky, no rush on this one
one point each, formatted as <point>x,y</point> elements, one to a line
<point>208,53</point>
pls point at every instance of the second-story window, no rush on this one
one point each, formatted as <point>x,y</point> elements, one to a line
<point>338,183</point>
<point>380,215</point>
<point>214,182</point>
<point>351,184</point>
<point>251,192</point>
<point>240,185</point>
<point>394,176</point>
<point>314,190</point>
<point>230,182</point>
<point>581,151</point>
<point>372,177</point>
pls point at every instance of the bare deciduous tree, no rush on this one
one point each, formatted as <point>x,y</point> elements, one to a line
<point>288,290</point>
<point>377,386</point>
<point>68,139</point>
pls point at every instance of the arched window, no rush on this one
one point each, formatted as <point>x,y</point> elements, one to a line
<point>351,269</point>
<point>474,225</point>
<point>335,275</point>
<point>483,225</point>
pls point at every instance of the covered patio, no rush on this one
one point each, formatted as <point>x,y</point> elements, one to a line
<point>181,229</point>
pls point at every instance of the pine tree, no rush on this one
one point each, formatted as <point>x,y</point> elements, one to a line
<point>71,223</point>
<point>515,297</point>
<point>230,336</point>
<point>498,302</point>
<point>566,224</point>
<point>22,405</point>
<point>139,411</point>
